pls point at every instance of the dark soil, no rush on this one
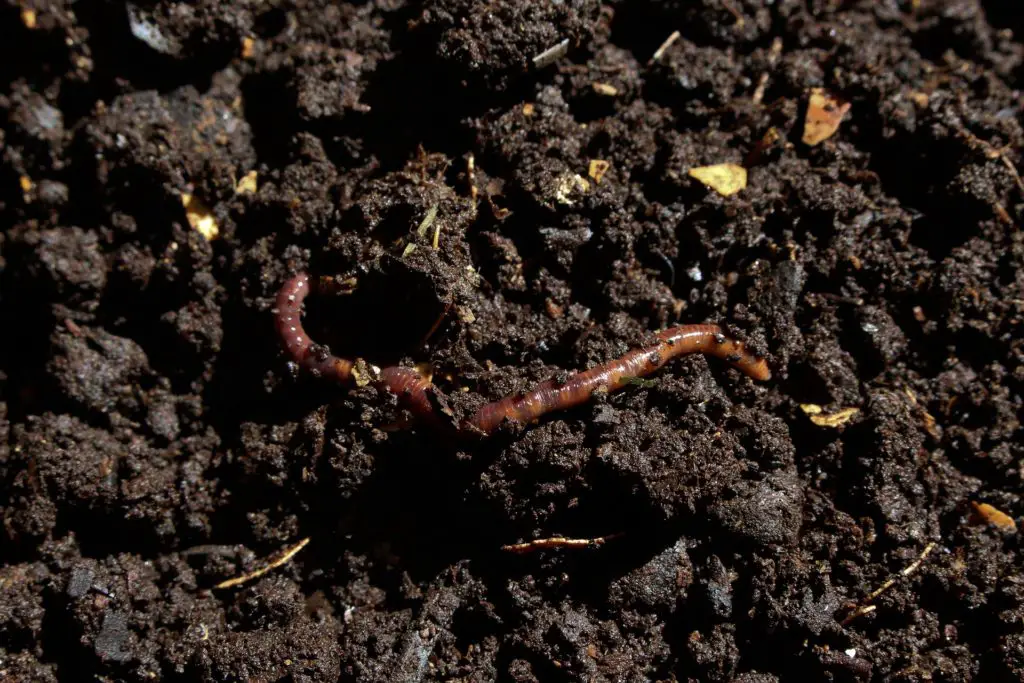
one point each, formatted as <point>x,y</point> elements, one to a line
<point>154,442</point>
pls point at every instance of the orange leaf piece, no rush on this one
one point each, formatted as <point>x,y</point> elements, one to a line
<point>825,112</point>
<point>983,513</point>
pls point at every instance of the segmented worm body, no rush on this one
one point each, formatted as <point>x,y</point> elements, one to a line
<point>423,400</point>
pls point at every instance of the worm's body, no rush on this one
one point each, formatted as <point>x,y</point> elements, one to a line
<point>414,391</point>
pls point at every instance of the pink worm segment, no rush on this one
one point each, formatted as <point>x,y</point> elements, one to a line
<point>414,391</point>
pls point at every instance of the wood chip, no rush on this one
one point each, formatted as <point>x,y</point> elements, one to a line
<point>983,513</point>
<point>837,419</point>
<point>597,169</point>
<point>605,89</point>
<point>200,217</point>
<point>725,179</point>
<point>825,112</point>
<point>247,184</point>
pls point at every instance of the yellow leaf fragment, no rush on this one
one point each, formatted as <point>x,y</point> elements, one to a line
<point>200,217</point>
<point>27,186</point>
<point>825,112</point>
<point>725,179</point>
<point>28,17</point>
<point>568,185</point>
<point>528,109</point>
<point>983,513</point>
<point>248,45</point>
<point>837,419</point>
<point>426,371</point>
<point>605,89</point>
<point>363,373</point>
<point>597,169</point>
<point>247,184</point>
<point>920,99</point>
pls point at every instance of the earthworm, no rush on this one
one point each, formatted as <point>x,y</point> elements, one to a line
<point>424,401</point>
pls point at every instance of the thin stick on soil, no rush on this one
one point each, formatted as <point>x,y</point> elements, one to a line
<point>416,394</point>
<point>865,607</point>
<point>282,558</point>
<point>559,542</point>
<point>673,37</point>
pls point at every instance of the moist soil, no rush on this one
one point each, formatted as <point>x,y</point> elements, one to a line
<point>501,190</point>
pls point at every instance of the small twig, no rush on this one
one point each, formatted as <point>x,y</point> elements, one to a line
<point>437,323</point>
<point>740,21</point>
<point>673,37</point>
<point>283,557</point>
<point>559,542</point>
<point>993,152</point>
<point>762,81</point>
<point>471,177</point>
<point>1013,169</point>
<point>551,55</point>
<point>865,607</point>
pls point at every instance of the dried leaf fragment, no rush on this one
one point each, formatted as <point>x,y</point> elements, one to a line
<point>825,112</point>
<point>246,184</point>
<point>28,17</point>
<point>725,179</point>
<point>597,169</point>
<point>568,185</point>
<point>605,89</point>
<point>983,513</point>
<point>200,217</point>
<point>837,419</point>
<point>26,185</point>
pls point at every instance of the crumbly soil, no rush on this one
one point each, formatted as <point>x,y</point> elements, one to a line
<point>154,442</point>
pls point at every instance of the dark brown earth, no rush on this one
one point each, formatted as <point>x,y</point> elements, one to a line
<point>155,444</point>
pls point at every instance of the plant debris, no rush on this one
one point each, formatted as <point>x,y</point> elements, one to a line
<point>246,184</point>
<point>597,169</point>
<point>558,542</point>
<point>983,513</point>
<point>838,418</point>
<point>200,217</point>
<point>725,179</point>
<point>272,563</point>
<point>865,605</point>
<point>825,112</point>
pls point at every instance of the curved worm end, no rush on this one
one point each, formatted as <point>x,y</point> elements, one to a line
<point>758,369</point>
<point>297,344</point>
